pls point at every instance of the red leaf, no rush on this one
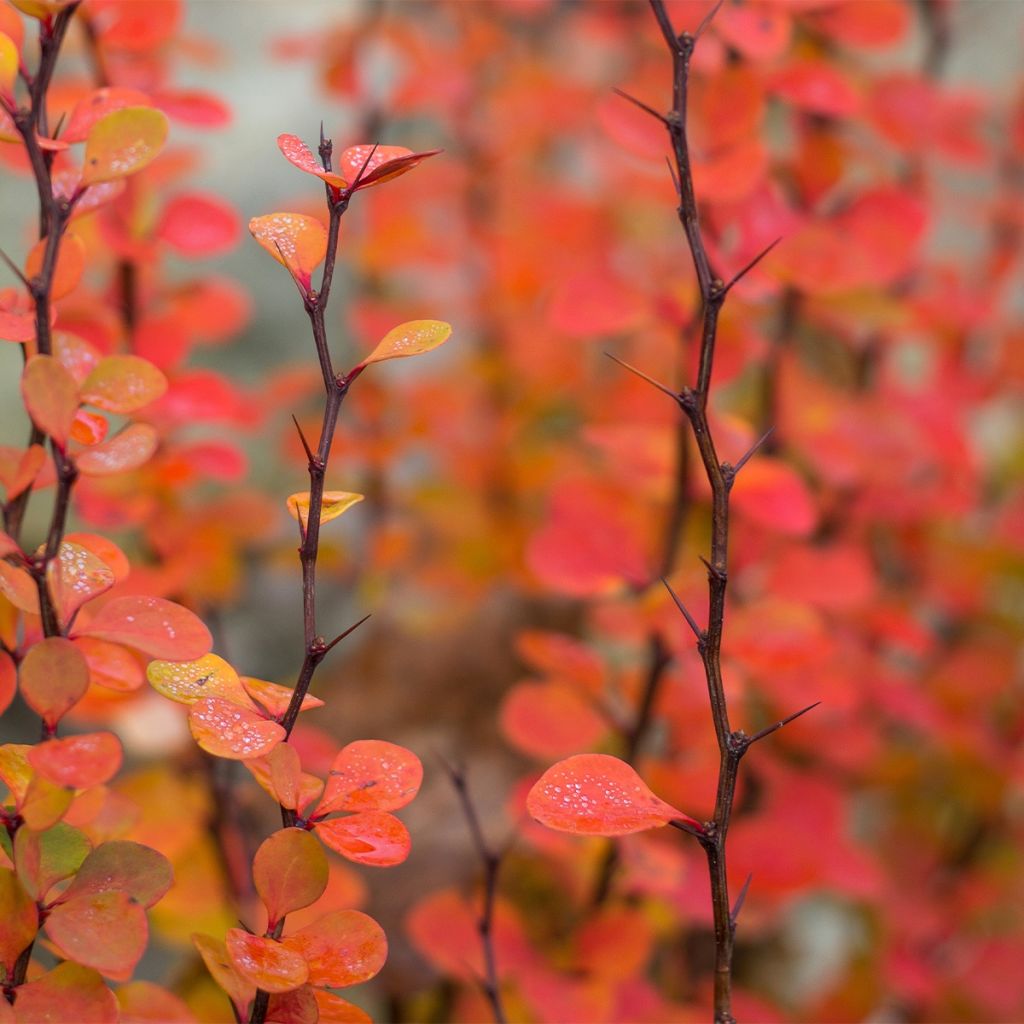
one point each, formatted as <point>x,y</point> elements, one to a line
<point>53,678</point>
<point>68,992</point>
<point>289,872</point>
<point>111,665</point>
<point>228,730</point>
<point>370,837</point>
<point>50,394</point>
<point>372,165</point>
<point>193,106</point>
<point>197,224</point>
<point>342,948</point>
<point>76,576</point>
<point>550,719</point>
<point>266,963</point>
<point>152,625</point>
<point>103,930</point>
<point>371,775</point>
<point>599,795</point>
<point>8,681</point>
<point>775,496</point>
<point>817,87</point>
<point>79,762</point>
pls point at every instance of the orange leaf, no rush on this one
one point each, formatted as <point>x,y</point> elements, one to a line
<point>18,469</point>
<point>218,963</point>
<point>111,665</point>
<point>97,104</point>
<point>342,948</point>
<point>76,576</point>
<point>78,762</point>
<point>275,698</point>
<point>89,428</point>
<point>599,795</point>
<point>409,339</point>
<point>105,550</point>
<point>19,588</point>
<point>332,505</point>
<point>335,1010</point>
<point>296,241</point>
<point>226,730</point>
<point>123,142</point>
<point>51,396</point>
<point>289,872</point>
<point>265,962</point>
<point>129,449</point>
<point>47,857</point>
<point>152,625</point>
<point>296,1007</point>
<point>370,837</point>
<point>189,681</point>
<point>363,166</point>
<point>280,774</point>
<point>70,264</point>
<point>103,930</point>
<point>19,916</point>
<point>53,678</point>
<point>142,1002</point>
<point>123,384</point>
<point>68,992</point>
<point>550,719</point>
<point>141,872</point>
<point>371,775</point>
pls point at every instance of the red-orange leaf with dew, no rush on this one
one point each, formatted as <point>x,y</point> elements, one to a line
<point>375,838</point>
<point>227,730</point>
<point>276,698</point>
<point>598,795</point>
<point>97,104</point>
<point>129,449</point>
<point>51,396</point>
<point>295,1007</point>
<point>105,550</point>
<point>335,1010</point>
<point>19,916</point>
<point>363,166</point>
<point>19,588</point>
<point>297,153</point>
<point>53,678</point>
<point>289,871</point>
<point>70,992</point>
<point>371,775</point>
<point>774,495</point>
<point>193,106</point>
<point>123,142</point>
<point>409,339</point>
<point>142,1002</point>
<point>103,930</point>
<point>69,268</point>
<point>296,241</point>
<point>8,681</point>
<point>188,681</point>
<point>47,857</point>
<point>120,864</point>
<point>159,628</point>
<point>76,576</point>
<point>266,963</point>
<point>342,948</point>
<point>550,719</point>
<point>218,963</point>
<point>123,384</point>
<point>111,665</point>
<point>199,225</point>
<point>78,762</point>
<point>89,428</point>
<point>18,469</point>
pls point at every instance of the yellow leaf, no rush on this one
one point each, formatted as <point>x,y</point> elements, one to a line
<point>293,239</point>
<point>331,506</point>
<point>122,143</point>
<point>410,339</point>
<point>8,64</point>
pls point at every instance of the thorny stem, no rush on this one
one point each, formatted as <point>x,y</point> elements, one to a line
<point>491,862</point>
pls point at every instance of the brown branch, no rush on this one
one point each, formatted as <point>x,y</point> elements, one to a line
<point>490,860</point>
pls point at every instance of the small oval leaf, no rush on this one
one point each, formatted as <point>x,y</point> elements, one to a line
<point>369,837</point>
<point>265,962</point>
<point>159,628</point>
<point>371,775</point>
<point>123,142</point>
<point>53,678</point>
<point>342,948</point>
<point>294,240</point>
<point>227,730</point>
<point>332,505</point>
<point>123,384</point>
<point>410,339</point>
<point>289,872</point>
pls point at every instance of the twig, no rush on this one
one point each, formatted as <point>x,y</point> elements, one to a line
<point>491,863</point>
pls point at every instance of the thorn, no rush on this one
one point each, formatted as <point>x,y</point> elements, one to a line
<point>643,376</point>
<point>15,269</point>
<point>712,571</point>
<point>778,725</point>
<point>689,827</point>
<point>740,899</point>
<point>643,106</point>
<point>751,450</point>
<point>362,170</point>
<point>60,125</point>
<point>341,636</point>
<point>697,631</point>
<point>305,443</point>
<point>750,266</point>
<point>323,138</point>
<point>708,18</point>
<point>675,178</point>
